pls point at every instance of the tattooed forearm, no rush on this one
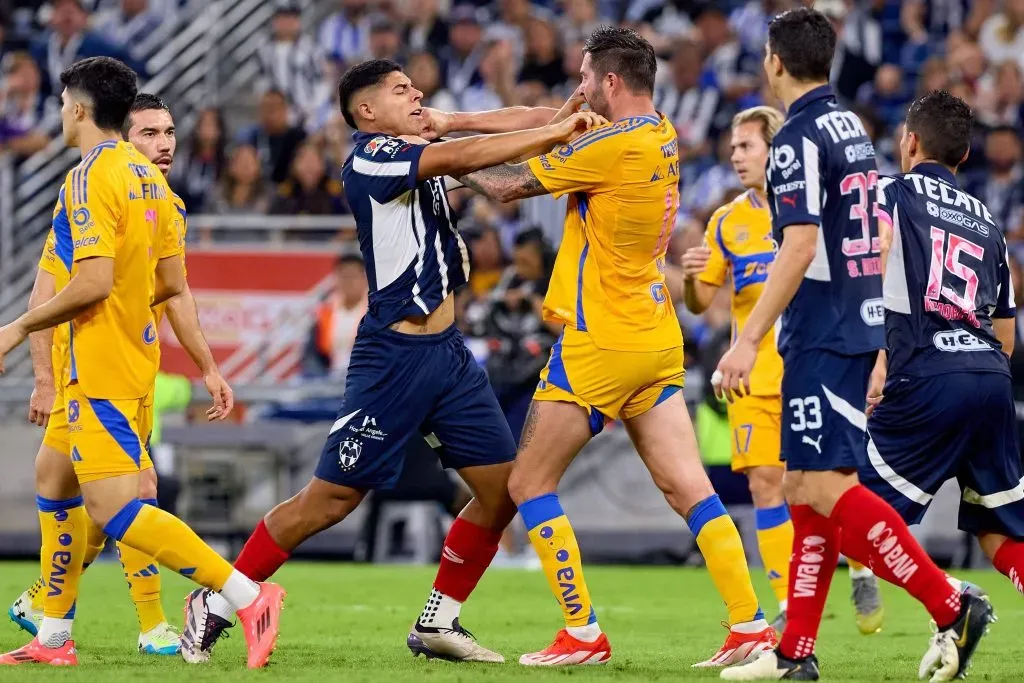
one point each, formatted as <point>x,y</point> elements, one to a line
<point>505,182</point>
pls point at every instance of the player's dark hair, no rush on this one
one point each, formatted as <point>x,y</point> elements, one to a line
<point>109,84</point>
<point>365,75</point>
<point>805,43</point>
<point>625,53</point>
<point>144,101</point>
<point>942,123</point>
<point>349,258</point>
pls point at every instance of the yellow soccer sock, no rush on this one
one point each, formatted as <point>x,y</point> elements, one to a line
<point>63,524</point>
<point>143,577</point>
<point>170,541</point>
<point>96,540</point>
<point>775,541</point>
<point>719,542</point>
<point>553,539</point>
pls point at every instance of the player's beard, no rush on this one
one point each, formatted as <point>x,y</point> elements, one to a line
<point>598,103</point>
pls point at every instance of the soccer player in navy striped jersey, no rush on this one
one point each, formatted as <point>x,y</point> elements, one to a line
<point>826,285</point>
<point>410,375</point>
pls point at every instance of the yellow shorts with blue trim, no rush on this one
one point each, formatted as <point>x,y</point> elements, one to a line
<point>106,436</point>
<point>756,424</point>
<point>609,385</point>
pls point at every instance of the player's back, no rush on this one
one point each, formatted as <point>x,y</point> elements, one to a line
<point>608,278</point>
<point>947,276</point>
<point>119,207</point>
<point>822,171</point>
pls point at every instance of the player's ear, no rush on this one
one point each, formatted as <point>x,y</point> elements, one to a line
<point>967,153</point>
<point>365,110</point>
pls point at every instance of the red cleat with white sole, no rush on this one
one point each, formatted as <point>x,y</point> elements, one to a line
<point>568,651</point>
<point>261,622</point>
<point>37,653</point>
<point>740,648</point>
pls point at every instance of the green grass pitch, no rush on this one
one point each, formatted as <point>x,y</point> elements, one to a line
<point>345,622</point>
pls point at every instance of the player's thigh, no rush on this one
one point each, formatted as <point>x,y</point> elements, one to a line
<point>555,432</point>
<point>991,476</point>
<point>823,402</point>
<point>145,421</point>
<point>55,477</point>
<point>105,440</point>
<point>916,442</point>
<point>666,442</point>
<point>765,484</point>
<point>56,437</point>
<point>756,426</point>
<point>389,392</point>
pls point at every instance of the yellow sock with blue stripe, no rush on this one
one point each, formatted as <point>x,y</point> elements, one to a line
<point>63,526</point>
<point>719,542</point>
<point>143,577</point>
<point>553,539</point>
<point>775,541</point>
<point>173,544</point>
<point>95,539</point>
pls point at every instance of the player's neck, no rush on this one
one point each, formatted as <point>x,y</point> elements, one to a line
<point>759,193</point>
<point>629,107</point>
<point>917,162</point>
<point>90,136</point>
<point>794,90</point>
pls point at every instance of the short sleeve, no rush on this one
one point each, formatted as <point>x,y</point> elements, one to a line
<point>794,179</point>
<point>387,166</point>
<point>717,269</point>
<point>48,261</point>
<point>884,200</point>
<point>95,208</point>
<point>172,236</point>
<point>1006,306</point>
<point>579,166</point>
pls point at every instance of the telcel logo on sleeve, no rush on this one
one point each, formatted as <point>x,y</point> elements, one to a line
<point>953,341</point>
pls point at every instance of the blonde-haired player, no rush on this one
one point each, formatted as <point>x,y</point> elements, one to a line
<point>739,246</point>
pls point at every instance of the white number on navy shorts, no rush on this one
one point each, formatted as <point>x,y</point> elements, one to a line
<point>806,413</point>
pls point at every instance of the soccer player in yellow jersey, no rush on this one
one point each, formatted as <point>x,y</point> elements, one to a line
<point>121,244</point>
<point>150,128</point>
<point>621,353</point>
<point>739,249</point>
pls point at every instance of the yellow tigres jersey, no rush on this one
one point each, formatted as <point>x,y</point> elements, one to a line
<point>608,279</point>
<point>59,266</point>
<point>181,229</point>
<point>120,207</point>
<point>739,235</point>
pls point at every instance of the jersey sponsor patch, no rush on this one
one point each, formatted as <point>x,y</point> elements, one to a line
<point>872,312</point>
<point>953,341</point>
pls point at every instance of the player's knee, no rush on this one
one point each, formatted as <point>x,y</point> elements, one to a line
<point>524,485</point>
<point>765,485</point>
<point>54,475</point>
<point>793,488</point>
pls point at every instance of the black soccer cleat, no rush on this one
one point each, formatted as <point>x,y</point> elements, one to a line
<point>950,650</point>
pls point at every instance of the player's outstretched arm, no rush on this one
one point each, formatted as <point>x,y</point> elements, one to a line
<point>183,314</point>
<point>40,345</point>
<point>440,123</point>
<point>505,182</point>
<point>89,286</point>
<point>461,157</point>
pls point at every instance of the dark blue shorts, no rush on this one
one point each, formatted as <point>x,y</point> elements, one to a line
<point>400,386</point>
<point>823,399</point>
<point>928,430</point>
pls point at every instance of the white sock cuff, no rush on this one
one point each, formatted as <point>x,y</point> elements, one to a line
<point>240,591</point>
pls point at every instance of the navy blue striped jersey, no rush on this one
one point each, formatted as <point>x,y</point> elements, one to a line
<point>821,171</point>
<point>947,276</point>
<point>408,236</point>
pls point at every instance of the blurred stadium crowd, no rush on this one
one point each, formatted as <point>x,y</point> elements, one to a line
<point>487,54</point>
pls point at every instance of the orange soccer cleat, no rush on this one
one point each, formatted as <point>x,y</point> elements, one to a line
<point>568,651</point>
<point>261,621</point>
<point>740,647</point>
<point>37,653</point>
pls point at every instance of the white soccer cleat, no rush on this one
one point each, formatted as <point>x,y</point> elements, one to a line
<point>941,661</point>
<point>772,667</point>
<point>161,640</point>
<point>202,628</point>
<point>454,644</point>
<point>22,614</point>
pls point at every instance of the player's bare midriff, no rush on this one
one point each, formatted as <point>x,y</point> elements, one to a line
<point>439,320</point>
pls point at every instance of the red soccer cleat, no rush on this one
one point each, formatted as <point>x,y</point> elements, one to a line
<point>740,648</point>
<point>261,621</point>
<point>37,653</point>
<point>568,651</point>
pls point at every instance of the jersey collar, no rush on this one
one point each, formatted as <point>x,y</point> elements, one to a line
<point>819,93</point>
<point>936,171</point>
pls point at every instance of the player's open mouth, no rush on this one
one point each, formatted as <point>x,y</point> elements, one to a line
<point>416,112</point>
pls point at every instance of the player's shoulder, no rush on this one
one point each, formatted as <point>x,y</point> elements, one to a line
<point>725,215</point>
<point>610,137</point>
<point>378,147</point>
<point>178,202</point>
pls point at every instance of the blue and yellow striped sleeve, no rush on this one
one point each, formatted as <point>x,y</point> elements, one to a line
<point>94,206</point>
<point>717,269</point>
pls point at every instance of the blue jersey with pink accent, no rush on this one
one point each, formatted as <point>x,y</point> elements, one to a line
<point>947,276</point>
<point>821,171</point>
